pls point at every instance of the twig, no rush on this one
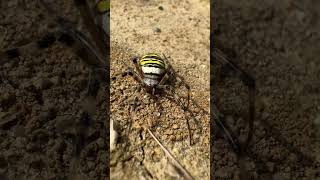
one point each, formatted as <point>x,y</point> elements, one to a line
<point>178,165</point>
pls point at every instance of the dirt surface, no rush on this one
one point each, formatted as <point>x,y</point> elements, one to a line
<point>179,29</point>
<point>275,41</point>
<point>278,43</point>
<point>41,103</point>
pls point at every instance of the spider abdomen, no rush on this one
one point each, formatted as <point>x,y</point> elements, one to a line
<point>153,68</point>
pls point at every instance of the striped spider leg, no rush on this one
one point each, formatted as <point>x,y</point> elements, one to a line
<point>179,79</point>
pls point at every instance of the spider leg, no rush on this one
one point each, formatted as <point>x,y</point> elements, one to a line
<point>66,35</point>
<point>136,64</point>
<point>93,84</point>
<point>89,22</point>
<point>97,33</point>
<point>164,79</point>
<point>219,120</point>
<point>71,39</point>
<point>179,102</point>
<point>134,74</point>
<point>248,81</point>
<point>179,78</point>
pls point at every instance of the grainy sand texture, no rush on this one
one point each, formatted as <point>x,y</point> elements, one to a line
<point>277,42</point>
<point>41,98</point>
<point>180,30</point>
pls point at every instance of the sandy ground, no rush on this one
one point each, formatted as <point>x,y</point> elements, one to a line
<point>278,43</point>
<point>179,29</point>
<point>40,103</point>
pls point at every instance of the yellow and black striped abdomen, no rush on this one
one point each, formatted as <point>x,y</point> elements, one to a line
<point>152,60</point>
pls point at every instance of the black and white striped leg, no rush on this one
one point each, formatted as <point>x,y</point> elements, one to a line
<point>164,79</point>
<point>132,73</point>
<point>179,102</point>
<point>174,94</point>
<point>89,21</point>
<point>182,82</point>
<point>179,78</point>
<point>135,62</point>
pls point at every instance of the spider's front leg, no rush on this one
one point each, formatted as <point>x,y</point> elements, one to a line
<point>182,82</point>
<point>136,64</point>
<point>179,102</point>
<point>137,76</point>
<point>133,74</point>
<point>174,94</point>
<point>179,78</point>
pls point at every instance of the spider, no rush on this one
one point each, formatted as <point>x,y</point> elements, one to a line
<point>155,74</point>
<point>92,49</point>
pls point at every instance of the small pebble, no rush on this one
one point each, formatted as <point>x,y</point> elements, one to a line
<point>157,114</point>
<point>42,83</point>
<point>157,30</point>
<point>56,80</point>
<point>175,126</point>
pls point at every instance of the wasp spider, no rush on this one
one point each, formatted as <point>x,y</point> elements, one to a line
<point>155,74</point>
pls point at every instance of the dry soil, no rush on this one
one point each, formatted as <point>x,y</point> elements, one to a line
<point>180,30</point>
<point>278,43</point>
<point>41,103</point>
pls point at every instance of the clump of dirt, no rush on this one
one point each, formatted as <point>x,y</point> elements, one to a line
<point>180,30</point>
<point>41,103</point>
<point>277,42</point>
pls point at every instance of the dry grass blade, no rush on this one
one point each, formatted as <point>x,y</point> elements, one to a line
<point>186,174</point>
